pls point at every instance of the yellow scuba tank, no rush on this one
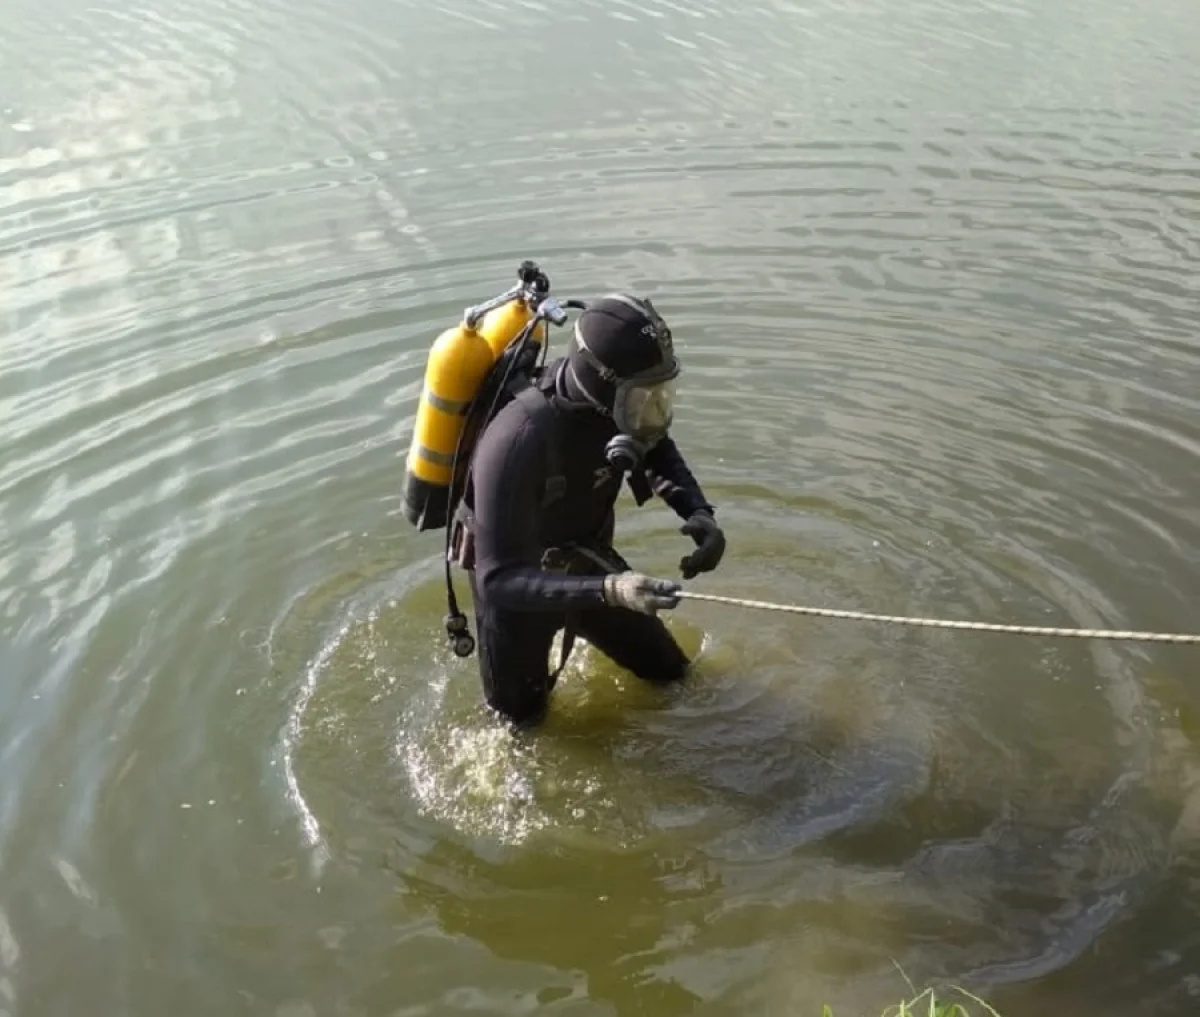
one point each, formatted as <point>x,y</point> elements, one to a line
<point>457,366</point>
<point>501,325</point>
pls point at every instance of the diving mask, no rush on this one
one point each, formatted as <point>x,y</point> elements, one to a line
<point>644,407</point>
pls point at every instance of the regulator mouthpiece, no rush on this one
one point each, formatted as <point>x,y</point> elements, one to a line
<point>624,453</point>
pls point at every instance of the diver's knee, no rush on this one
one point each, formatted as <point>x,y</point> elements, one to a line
<point>521,715</point>
<point>522,703</point>
<point>666,670</point>
<point>525,721</point>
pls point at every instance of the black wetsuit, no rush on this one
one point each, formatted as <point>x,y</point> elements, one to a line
<point>519,605</point>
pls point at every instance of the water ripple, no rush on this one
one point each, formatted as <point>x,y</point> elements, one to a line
<point>930,275</point>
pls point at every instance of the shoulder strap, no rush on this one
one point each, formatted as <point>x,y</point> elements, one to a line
<point>538,405</point>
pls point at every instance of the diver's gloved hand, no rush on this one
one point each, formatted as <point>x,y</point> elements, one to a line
<point>637,592</point>
<point>710,544</point>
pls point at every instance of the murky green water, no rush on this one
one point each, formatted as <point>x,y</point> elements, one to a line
<point>932,269</point>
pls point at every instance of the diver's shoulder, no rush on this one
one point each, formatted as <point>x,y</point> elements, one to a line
<point>514,424</point>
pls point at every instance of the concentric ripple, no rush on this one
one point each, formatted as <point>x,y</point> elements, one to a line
<point>931,273</point>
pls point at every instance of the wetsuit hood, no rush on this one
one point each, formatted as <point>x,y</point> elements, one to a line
<point>623,364</point>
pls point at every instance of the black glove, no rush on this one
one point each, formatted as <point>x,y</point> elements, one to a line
<point>710,544</point>
<point>636,592</point>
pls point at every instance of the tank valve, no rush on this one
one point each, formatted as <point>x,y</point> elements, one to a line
<point>533,278</point>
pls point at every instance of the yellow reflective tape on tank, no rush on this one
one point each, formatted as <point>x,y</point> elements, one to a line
<point>454,407</point>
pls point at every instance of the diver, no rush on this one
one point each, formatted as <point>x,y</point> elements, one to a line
<point>535,526</point>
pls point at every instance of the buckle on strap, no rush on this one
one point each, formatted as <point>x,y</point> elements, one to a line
<point>582,558</point>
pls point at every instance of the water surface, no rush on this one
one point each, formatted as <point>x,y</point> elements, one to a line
<point>931,271</point>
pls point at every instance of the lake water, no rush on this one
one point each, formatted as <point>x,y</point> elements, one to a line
<point>931,268</point>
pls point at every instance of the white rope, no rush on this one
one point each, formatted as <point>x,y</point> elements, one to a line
<point>942,623</point>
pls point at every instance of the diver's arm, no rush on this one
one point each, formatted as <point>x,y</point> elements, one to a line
<point>509,474</point>
<point>672,480</point>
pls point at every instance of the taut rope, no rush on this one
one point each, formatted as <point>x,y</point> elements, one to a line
<point>943,623</point>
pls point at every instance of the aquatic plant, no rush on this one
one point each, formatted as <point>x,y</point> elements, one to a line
<point>929,1004</point>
